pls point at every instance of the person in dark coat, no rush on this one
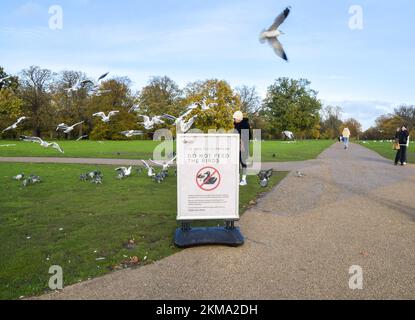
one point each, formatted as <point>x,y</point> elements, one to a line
<point>403,138</point>
<point>243,127</point>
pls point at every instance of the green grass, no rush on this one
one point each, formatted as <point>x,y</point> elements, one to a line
<point>283,151</point>
<point>93,217</point>
<point>386,151</point>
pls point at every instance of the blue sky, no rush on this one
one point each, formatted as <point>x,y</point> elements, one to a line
<point>367,72</point>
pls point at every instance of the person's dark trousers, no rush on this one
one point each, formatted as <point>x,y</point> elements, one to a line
<point>243,163</point>
<point>398,156</point>
<point>403,154</point>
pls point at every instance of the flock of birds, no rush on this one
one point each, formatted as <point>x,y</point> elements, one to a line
<point>26,181</point>
<point>183,123</point>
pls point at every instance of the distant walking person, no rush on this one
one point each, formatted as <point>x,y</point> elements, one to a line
<point>242,124</point>
<point>346,137</point>
<point>403,139</point>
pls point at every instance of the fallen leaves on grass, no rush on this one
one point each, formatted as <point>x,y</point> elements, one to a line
<point>130,244</point>
<point>128,263</point>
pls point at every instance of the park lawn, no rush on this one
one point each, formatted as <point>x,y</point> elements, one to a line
<point>385,149</point>
<point>96,220</point>
<point>272,151</point>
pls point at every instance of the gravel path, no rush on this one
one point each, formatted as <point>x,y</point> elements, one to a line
<point>352,208</point>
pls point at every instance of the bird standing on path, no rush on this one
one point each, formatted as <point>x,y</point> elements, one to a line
<point>272,33</point>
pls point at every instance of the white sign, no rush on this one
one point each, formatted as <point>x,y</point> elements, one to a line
<point>208,176</point>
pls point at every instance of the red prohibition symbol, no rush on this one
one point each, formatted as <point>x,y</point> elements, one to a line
<point>208,178</point>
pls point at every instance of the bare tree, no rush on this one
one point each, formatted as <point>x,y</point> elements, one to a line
<point>250,100</point>
<point>35,91</point>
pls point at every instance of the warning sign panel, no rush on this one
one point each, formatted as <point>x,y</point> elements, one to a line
<point>208,176</point>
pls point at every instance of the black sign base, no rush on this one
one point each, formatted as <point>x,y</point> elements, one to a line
<point>191,237</point>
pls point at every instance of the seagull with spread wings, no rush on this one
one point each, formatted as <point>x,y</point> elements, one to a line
<point>132,133</point>
<point>4,79</point>
<point>150,170</point>
<point>203,105</point>
<point>181,123</point>
<point>288,134</point>
<point>124,172</point>
<point>42,143</point>
<point>134,108</point>
<point>272,33</point>
<point>149,123</point>
<point>164,164</point>
<point>68,129</point>
<point>95,84</point>
<point>104,117</point>
<point>14,125</point>
<point>75,87</point>
<point>82,137</point>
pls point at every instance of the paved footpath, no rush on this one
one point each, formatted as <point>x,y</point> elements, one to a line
<point>352,208</point>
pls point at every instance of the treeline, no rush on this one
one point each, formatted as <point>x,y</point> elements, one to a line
<point>386,125</point>
<point>44,97</point>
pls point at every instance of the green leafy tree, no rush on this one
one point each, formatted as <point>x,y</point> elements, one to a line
<point>10,110</point>
<point>213,91</point>
<point>292,105</point>
<point>354,126</point>
<point>162,95</point>
<point>117,99</point>
<point>331,122</point>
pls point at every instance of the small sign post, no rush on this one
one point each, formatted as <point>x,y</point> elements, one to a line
<point>208,188</point>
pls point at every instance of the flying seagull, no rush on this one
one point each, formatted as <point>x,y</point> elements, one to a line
<point>42,143</point>
<point>82,137</point>
<point>14,125</point>
<point>66,128</point>
<point>124,172</point>
<point>134,108</point>
<point>203,105</point>
<point>180,122</point>
<point>95,84</point>
<point>75,87</point>
<point>132,133</point>
<point>149,123</point>
<point>271,35</point>
<point>4,79</point>
<point>165,164</point>
<point>150,170</point>
<point>104,117</point>
<point>288,135</point>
